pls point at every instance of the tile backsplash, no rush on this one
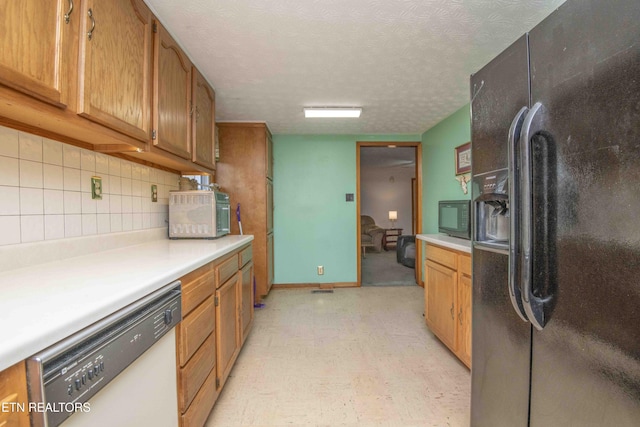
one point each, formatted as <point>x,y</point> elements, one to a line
<point>45,191</point>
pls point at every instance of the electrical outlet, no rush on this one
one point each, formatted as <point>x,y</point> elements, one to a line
<point>96,188</point>
<point>154,193</point>
<point>320,270</point>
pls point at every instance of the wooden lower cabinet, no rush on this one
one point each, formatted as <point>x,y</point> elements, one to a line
<point>448,299</point>
<point>440,291</point>
<point>246,314</point>
<point>228,334</point>
<point>210,336</point>
<point>463,340</point>
<point>13,393</point>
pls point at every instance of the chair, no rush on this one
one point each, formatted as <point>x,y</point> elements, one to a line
<point>370,232</point>
<point>406,251</point>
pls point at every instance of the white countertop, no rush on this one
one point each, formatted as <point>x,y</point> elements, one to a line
<point>43,304</point>
<point>456,243</point>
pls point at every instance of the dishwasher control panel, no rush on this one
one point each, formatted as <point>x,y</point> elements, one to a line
<point>65,376</point>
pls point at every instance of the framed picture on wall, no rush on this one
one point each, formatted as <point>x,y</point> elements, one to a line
<point>463,158</point>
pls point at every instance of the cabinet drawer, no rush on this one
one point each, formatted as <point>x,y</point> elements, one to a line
<point>441,256</point>
<point>245,256</point>
<point>194,329</point>
<point>195,372</point>
<point>465,264</point>
<point>226,269</point>
<point>196,287</point>
<point>201,406</point>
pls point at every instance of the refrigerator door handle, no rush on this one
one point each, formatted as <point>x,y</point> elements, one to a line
<point>536,306</point>
<point>514,207</point>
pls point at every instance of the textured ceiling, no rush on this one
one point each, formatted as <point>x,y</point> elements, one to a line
<point>405,62</point>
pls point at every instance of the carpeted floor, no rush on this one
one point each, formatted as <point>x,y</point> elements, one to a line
<point>382,269</point>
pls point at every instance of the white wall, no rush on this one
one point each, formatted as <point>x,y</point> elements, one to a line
<point>384,189</point>
<point>45,191</point>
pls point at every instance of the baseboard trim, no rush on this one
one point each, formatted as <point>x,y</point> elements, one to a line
<point>315,285</point>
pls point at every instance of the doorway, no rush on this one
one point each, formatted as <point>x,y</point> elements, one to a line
<point>389,194</point>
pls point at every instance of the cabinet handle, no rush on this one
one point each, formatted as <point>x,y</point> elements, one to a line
<point>93,24</point>
<point>67,16</point>
<point>460,316</point>
<point>451,311</point>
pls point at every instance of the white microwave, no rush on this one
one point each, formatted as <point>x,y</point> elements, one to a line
<point>199,214</point>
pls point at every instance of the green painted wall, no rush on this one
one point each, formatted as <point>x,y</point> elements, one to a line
<point>438,165</point>
<point>313,224</point>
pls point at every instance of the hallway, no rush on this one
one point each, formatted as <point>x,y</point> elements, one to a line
<point>356,357</point>
<point>383,269</point>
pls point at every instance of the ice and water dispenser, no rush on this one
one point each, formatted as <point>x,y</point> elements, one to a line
<point>490,193</point>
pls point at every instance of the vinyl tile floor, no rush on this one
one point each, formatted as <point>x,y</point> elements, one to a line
<point>355,357</point>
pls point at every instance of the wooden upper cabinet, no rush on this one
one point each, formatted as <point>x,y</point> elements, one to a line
<point>35,42</point>
<point>172,93</point>
<point>115,65</point>
<point>204,121</point>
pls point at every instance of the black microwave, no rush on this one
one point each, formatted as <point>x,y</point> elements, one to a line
<point>454,218</point>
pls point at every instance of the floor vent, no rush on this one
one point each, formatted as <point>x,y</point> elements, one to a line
<point>322,291</point>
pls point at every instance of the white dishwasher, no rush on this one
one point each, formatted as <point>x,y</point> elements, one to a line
<point>120,371</point>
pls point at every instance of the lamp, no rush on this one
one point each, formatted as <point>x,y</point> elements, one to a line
<point>327,112</point>
<point>393,216</point>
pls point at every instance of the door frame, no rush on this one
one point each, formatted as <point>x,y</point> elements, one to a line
<point>418,230</point>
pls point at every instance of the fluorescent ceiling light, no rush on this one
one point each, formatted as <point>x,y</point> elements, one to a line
<point>332,112</point>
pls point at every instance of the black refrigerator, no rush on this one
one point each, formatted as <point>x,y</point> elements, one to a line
<point>555,128</point>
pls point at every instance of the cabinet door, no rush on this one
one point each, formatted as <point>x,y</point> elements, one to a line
<point>440,296</point>
<point>246,314</point>
<point>227,328</point>
<point>203,124</point>
<point>269,158</point>
<point>464,319</point>
<point>269,206</point>
<point>115,66</point>
<point>172,90</point>
<point>270,267</point>
<point>13,391</point>
<point>33,36</point>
